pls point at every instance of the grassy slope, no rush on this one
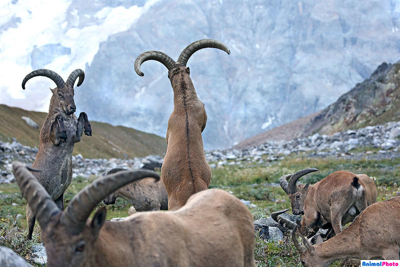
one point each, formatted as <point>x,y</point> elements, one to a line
<point>107,141</point>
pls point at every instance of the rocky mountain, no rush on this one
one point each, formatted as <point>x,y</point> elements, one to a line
<point>289,58</point>
<point>374,101</point>
<point>107,141</point>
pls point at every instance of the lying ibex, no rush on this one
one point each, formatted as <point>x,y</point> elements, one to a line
<point>60,131</point>
<point>185,170</point>
<point>144,195</point>
<point>335,200</point>
<point>374,234</point>
<point>214,228</point>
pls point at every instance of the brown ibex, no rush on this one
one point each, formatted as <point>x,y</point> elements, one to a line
<point>374,234</point>
<point>144,195</point>
<point>214,228</point>
<point>185,170</point>
<point>335,200</point>
<point>60,131</point>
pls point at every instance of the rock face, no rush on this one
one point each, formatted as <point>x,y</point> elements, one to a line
<point>9,258</point>
<point>372,102</point>
<point>289,59</point>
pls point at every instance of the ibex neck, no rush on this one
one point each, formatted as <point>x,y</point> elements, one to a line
<point>184,94</point>
<point>54,108</point>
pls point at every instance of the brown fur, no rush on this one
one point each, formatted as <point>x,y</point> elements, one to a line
<point>185,170</point>
<point>374,234</point>
<point>327,203</point>
<point>144,195</point>
<point>213,229</point>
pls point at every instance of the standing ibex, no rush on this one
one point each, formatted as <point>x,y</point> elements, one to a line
<point>214,228</point>
<point>185,170</point>
<point>335,200</point>
<point>374,234</point>
<point>144,195</point>
<point>60,131</point>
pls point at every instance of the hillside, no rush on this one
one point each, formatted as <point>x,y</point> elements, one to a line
<point>107,141</point>
<point>374,101</point>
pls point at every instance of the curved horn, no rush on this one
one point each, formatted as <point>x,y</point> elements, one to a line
<point>46,73</point>
<point>297,176</point>
<point>296,242</point>
<point>153,55</point>
<point>284,184</point>
<point>308,245</point>
<point>275,214</point>
<point>74,75</point>
<point>86,200</point>
<point>196,46</point>
<point>288,223</point>
<point>39,200</point>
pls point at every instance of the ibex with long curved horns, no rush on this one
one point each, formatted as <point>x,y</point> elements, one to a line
<point>374,234</point>
<point>214,228</point>
<point>335,200</point>
<point>185,170</point>
<point>60,131</point>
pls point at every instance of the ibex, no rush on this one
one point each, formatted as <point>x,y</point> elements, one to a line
<point>60,131</point>
<point>144,195</point>
<point>335,200</point>
<point>214,228</point>
<point>374,234</point>
<point>185,170</point>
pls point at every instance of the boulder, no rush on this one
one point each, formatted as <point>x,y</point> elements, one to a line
<point>9,258</point>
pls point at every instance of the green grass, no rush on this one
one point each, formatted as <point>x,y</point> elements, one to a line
<point>250,182</point>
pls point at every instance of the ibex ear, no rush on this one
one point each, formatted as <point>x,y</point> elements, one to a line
<point>307,185</point>
<point>98,220</point>
<point>188,70</point>
<point>52,91</point>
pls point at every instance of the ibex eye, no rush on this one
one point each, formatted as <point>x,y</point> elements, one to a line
<point>60,95</point>
<point>80,247</point>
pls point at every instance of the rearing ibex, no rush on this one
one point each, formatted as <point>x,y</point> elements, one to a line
<point>214,228</point>
<point>185,170</point>
<point>335,200</point>
<point>60,131</point>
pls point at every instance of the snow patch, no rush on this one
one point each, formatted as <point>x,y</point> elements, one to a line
<point>268,122</point>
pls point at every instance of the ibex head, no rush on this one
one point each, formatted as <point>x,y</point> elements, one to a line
<point>63,95</point>
<point>309,257</point>
<point>297,193</point>
<point>70,237</point>
<point>179,74</point>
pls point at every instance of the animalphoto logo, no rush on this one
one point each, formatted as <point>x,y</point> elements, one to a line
<point>380,263</point>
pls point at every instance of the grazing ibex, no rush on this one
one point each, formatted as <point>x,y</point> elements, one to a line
<point>60,131</point>
<point>374,234</point>
<point>214,228</point>
<point>335,200</point>
<point>144,195</point>
<point>185,170</point>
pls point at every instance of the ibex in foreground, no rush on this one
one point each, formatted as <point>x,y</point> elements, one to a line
<point>60,131</point>
<point>374,234</point>
<point>185,170</point>
<point>335,200</point>
<point>144,195</point>
<point>214,228</point>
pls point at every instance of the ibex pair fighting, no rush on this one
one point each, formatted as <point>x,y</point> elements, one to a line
<point>374,234</point>
<point>185,170</point>
<point>330,203</point>
<point>213,229</point>
<point>60,131</point>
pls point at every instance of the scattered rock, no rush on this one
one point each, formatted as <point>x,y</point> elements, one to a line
<point>9,258</point>
<point>39,255</point>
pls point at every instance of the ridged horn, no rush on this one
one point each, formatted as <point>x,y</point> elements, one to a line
<point>46,73</point>
<point>87,199</point>
<point>39,200</point>
<point>284,184</point>
<point>308,245</point>
<point>196,46</point>
<point>166,60</point>
<point>296,242</point>
<point>74,75</point>
<point>295,177</point>
<point>287,223</point>
<point>275,214</point>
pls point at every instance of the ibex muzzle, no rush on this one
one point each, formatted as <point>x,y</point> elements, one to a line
<point>185,170</point>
